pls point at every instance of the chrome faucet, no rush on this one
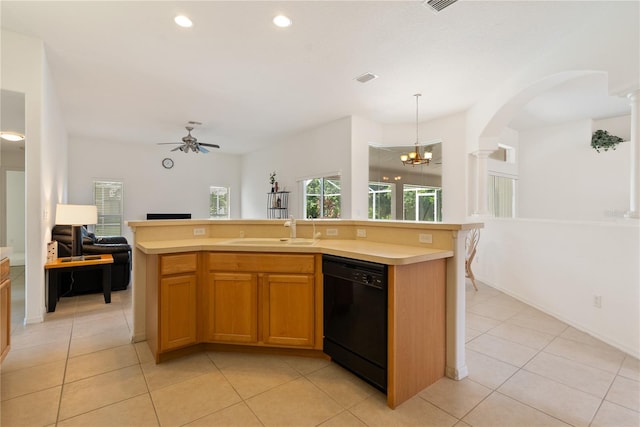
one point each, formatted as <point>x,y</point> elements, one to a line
<point>291,223</point>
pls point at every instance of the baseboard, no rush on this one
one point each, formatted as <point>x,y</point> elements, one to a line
<point>625,349</point>
<point>32,320</point>
<point>457,373</point>
<point>138,337</point>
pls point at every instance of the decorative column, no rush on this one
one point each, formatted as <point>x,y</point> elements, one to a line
<point>481,208</point>
<point>456,363</point>
<point>634,193</point>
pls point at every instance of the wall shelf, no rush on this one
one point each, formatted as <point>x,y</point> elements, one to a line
<point>278,205</point>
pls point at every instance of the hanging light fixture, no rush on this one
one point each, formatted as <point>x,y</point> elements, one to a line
<point>415,158</point>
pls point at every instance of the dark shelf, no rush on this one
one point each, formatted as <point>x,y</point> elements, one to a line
<point>278,205</point>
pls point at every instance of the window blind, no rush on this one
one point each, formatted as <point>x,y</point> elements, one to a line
<point>501,194</point>
<point>107,196</point>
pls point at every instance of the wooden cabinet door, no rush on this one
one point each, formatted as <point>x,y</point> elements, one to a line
<point>177,311</point>
<point>288,309</point>
<point>233,307</point>
<point>5,318</point>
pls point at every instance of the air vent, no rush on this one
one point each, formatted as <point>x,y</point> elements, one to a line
<point>366,77</point>
<point>437,5</point>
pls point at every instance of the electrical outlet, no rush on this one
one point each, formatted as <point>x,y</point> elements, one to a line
<point>597,301</point>
<point>331,232</point>
<point>425,238</point>
<point>198,231</point>
<point>361,232</point>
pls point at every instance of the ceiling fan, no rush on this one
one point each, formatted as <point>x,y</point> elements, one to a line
<point>190,142</point>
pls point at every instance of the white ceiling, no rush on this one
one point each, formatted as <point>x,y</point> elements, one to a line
<point>125,72</point>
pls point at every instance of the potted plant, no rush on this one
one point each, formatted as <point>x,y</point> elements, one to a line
<point>602,140</point>
<point>272,180</point>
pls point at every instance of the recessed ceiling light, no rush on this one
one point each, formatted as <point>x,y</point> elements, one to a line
<point>11,136</point>
<point>183,21</point>
<point>282,21</point>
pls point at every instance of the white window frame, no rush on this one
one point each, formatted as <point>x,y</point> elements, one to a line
<point>111,220</point>
<point>391,189</point>
<point>501,200</point>
<point>227,195</point>
<point>322,195</point>
<point>433,193</point>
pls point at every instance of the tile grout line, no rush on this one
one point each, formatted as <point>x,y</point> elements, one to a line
<point>73,321</point>
<point>66,364</point>
<point>519,368</point>
<point>541,350</point>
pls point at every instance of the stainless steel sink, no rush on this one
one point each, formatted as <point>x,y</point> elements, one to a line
<point>270,241</point>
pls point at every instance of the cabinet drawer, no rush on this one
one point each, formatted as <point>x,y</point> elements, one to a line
<point>4,269</point>
<point>261,262</point>
<point>178,263</point>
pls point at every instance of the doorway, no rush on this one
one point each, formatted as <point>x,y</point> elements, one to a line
<point>13,197</point>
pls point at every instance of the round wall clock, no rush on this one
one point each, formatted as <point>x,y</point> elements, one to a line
<point>167,163</point>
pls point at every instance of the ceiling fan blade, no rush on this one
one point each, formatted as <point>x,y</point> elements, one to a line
<point>209,145</point>
<point>201,148</point>
<point>177,148</point>
<point>167,143</point>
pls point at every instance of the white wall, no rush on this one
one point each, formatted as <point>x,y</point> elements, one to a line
<point>148,186</point>
<point>15,194</point>
<point>451,131</point>
<point>325,149</point>
<point>25,70</point>
<point>562,177</point>
<point>559,266</point>
<point>618,126</point>
<point>10,161</point>
<point>573,56</point>
<point>454,166</point>
<point>509,137</point>
<point>553,264</point>
<point>363,133</point>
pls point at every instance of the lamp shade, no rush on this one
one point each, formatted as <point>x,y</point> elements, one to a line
<point>76,214</point>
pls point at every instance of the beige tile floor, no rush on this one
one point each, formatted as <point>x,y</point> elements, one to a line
<point>525,369</point>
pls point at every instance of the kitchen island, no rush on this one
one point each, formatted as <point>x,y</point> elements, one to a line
<point>246,285</point>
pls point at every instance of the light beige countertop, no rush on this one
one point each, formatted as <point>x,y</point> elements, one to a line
<point>384,253</point>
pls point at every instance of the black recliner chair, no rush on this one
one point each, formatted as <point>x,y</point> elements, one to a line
<point>91,281</point>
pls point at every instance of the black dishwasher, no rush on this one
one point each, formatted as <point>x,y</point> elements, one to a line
<point>355,317</point>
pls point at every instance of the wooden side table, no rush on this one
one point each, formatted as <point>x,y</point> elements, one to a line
<point>90,262</point>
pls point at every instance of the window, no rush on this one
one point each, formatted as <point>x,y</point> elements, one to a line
<point>504,153</point>
<point>219,202</point>
<point>501,193</point>
<point>422,203</point>
<point>322,197</point>
<point>381,204</point>
<point>107,196</point>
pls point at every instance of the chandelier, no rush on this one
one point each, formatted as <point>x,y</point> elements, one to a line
<point>415,158</point>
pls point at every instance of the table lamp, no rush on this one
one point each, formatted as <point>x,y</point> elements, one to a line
<point>76,216</point>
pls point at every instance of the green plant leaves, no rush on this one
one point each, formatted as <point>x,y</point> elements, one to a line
<point>602,140</point>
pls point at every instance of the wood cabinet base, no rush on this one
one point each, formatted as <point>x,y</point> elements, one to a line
<point>273,303</point>
<point>417,346</point>
<point>233,348</point>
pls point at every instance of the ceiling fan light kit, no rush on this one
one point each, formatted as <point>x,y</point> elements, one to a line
<point>190,142</point>
<point>414,157</point>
